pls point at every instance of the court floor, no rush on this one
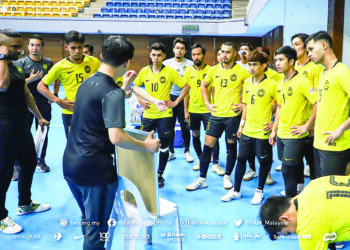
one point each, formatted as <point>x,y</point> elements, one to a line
<point>207,223</point>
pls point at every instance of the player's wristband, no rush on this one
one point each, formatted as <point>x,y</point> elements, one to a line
<point>241,124</point>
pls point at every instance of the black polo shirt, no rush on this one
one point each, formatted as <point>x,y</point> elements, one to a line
<point>99,105</point>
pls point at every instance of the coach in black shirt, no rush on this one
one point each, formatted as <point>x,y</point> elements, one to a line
<point>97,125</point>
<point>16,141</point>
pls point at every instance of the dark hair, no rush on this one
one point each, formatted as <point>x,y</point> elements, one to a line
<point>217,50</point>
<point>320,35</point>
<point>230,44</point>
<point>117,50</point>
<point>74,36</point>
<point>264,49</point>
<point>270,212</point>
<point>302,36</point>
<point>198,45</point>
<point>180,40</point>
<point>288,52</point>
<point>258,56</point>
<point>11,33</point>
<point>157,46</point>
<point>246,44</point>
<point>36,36</point>
<point>90,47</point>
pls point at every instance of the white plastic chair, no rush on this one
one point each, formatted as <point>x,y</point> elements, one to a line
<point>124,213</point>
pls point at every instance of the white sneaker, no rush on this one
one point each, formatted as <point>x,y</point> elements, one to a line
<point>9,226</point>
<point>258,197</point>
<point>279,168</point>
<point>171,156</point>
<point>217,169</point>
<point>269,180</point>
<point>33,207</point>
<point>197,166</point>
<point>197,184</point>
<point>231,194</point>
<point>227,182</point>
<point>307,171</point>
<point>188,157</point>
<point>250,175</point>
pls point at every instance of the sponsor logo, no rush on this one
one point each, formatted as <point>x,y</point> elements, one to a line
<point>20,70</point>
<point>217,76</point>
<point>69,72</point>
<point>233,77</point>
<point>261,92</point>
<point>79,236</point>
<point>162,79</point>
<point>44,66</point>
<point>330,237</point>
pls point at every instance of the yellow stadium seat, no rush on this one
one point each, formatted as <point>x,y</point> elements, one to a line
<point>64,9</point>
<point>18,13</point>
<point>31,13</point>
<point>37,3</point>
<point>62,3</point>
<point>79,4</point>
<point>46,14</point>
<point>30,8</point>
<point>21,8</point>
<point>54,3</point>
<point>68,15</point>
<point>45,3</point>
<point>13,2</point>
<point>86,2</point>
<point>56,14</point>
<point>45,9</point>
<point>5,3</point>
<point>55,9</point>
<point>30,2</point>
<point>73,9</point>
<point>21,3</point>
<point>70,3</point>
<point>8,13</point>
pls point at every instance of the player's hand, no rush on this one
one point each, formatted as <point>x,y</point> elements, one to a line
<point>268,126</point>
<point>272,138</point>
<point>299,130</point>
<point>3,50</point>
<point>333,135</point>
<point>237,108</point>
<point>65,104</point>
<point>152,144</point>
<point>128,93</point>
<point>187,117</point>
<point>145,105</point>
<point>161,105</point>
<point>211,107</point>
<point>239,132</point>
<point>35,76</point>
<point>171,104</point>
<point>42,123</point>
<point>129,78</point>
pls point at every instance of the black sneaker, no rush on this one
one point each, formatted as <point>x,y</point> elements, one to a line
<point>15,173</point>
<point>43,167</point>
<point>161,181</point>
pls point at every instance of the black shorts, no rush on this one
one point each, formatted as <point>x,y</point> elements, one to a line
<point>261,148</point>
<point>197,118</point>
<point>162,125</point>
<point>217,125</point>
<point>291,151</point>
<point>331,162</point>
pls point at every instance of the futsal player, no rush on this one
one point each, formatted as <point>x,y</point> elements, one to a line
<point>158,80</point>
<point>294,94</point>
<point>71,72</point>
<point>180,64</point>
<point>228,79</point>
<point>332,134</point>
<point>259,93</point>
<point>195,109</point>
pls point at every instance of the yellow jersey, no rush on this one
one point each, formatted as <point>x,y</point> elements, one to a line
<point>159,85</point>
<point>71,75</point>
<point>294,97</point>
<point>323,212</point>
<point>313,72</point>
<point>333,107</point>
<point>194,79</point>
<point>259,99</point>
<point>274,75</point>
<point>228,86</point>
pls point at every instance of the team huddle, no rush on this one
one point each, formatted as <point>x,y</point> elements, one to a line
<point>302,106</point>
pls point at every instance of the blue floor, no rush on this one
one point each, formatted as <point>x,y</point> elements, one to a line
<point>202,213</point>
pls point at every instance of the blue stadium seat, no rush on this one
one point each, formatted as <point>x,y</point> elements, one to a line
<point>182,11</point>
<point>142,4</point>
<point>131,10</point>
<point>148,11</point>
<point>134,4</point>
<point>97,15</point>
<point>159,5</point>
<point>211,1</point>
<point>106,15</point>
<point>226,13</point>
<point>179,17</point>
<point>187,17</point>
<point>218,6</point>
<point>191,11</point>
<point>160,16</point>
<point>164,11</point>
<point>110,4</point>
<point>133,16</point>
<point>152,16</point>
<point>117,4</point>
<point>209,12</point>
<point>121,10</point>
<point>217,12</point>
<point>197,17</point>
<point>210,6</point>
<point>105,10</point>
<point>169,16</point>
<point>207,16</point>
<point>124,16</point>
<point>227,1</point>
<point>201,1</point>
<point>142,16</point>
<point>193,5</point>
<point>176,5</point>
<point>126,4</point>
<point>226,6</point>
<point>151,5</point>
<point>184,5</point>
<point>139,10</point>
<point>168,5</point>
<point>116,16</point>
<point>200,12</point>
<point>173,11</point>
<point>201,6</point>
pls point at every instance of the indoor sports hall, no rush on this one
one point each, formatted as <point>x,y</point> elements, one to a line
<point>205,222</point>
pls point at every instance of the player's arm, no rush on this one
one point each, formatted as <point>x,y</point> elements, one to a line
<point>205,94</point>
<point>333,135</point>
<point>141,93</point>
<point>272,138</point>
<point>4,71</point>
<point>299,130</point>
<point>243,119</point>
<point>35,76</point>
<point>186,102</point>
<point>56,87</point>
<point>182,95</point>
<point>118,137</point>
<point>33,108</point>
